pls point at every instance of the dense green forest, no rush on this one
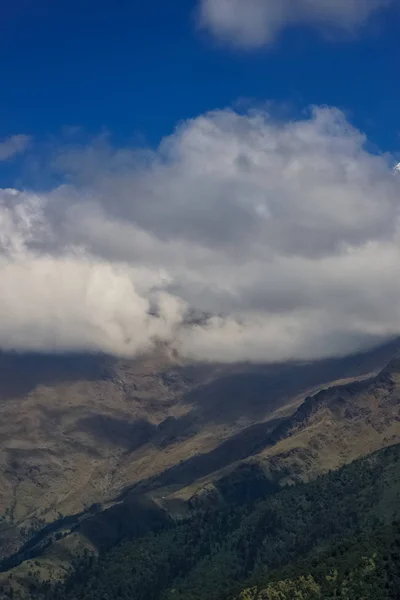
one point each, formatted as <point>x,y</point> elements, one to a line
<point>337,537</point>
<point>364,567</point>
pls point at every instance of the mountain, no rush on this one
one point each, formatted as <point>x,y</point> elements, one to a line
<point>338,536</point>
<point>331,428</point>
<point>94,448</point>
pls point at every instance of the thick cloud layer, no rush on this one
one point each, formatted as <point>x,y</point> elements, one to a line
<point>255,23</point>
<point>287,235</point>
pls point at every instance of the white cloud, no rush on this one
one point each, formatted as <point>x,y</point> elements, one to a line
<point>73,303</point>
<point>255,23</point>
<point>287,233</point>
<point>13,145</point>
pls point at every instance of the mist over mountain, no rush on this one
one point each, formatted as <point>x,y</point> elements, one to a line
<point>286,234</point>
<point>199,300</point>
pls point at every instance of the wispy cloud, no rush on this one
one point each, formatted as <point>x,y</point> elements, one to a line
<point>13,145</point>
<point>287,234</point>
<point>256,23</point>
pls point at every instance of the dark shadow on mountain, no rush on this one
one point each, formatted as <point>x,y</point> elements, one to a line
<point>133,518</point>
<point>238,447</point>
<point>256,390</point>
<point>106,429</point>
<point>22,373</point>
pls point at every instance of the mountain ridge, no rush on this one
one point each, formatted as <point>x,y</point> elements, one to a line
<point>175,435</point>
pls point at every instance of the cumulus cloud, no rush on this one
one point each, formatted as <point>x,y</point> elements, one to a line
<point>62,298</point>
<point>240,238</point>
<point>255,23</point>
<point>13,145</point>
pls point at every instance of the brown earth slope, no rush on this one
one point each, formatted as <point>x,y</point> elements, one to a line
<point>80,430</point>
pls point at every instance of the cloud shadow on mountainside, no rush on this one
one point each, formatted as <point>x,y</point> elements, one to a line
<point>253,391</point>
<point>22,373</point>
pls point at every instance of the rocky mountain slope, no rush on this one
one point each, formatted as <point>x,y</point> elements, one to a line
<point>329,429</point>
<point>82,431</point>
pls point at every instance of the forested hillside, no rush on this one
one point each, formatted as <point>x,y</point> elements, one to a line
<point>361,567</point>
<point>338,536</point>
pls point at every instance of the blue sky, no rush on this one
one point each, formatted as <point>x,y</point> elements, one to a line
<point>138,68</point>
<point>247,175</point>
